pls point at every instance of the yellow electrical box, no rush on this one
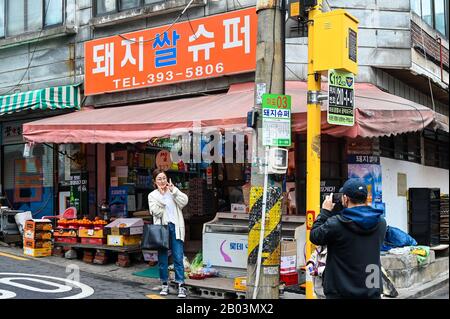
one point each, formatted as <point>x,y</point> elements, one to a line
<point>335,41</point>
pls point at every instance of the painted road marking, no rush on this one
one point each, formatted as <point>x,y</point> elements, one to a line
<point>10,278</point>
<point>154,297</point>
<point>12,256</point>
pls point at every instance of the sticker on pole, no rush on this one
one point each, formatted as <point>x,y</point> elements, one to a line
<point>341,106</point>
<point>276,122</point>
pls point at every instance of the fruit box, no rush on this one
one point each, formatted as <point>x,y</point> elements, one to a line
<point>41,235</point>
<point>91,233</point>
<point>38,224</point>
<point>119,240</point>
<point>93,241</point>
<point>125,226</point>
<point>65,232</point>
<point>37,252</point>
<point>66,240</point>
<point>31,243</point>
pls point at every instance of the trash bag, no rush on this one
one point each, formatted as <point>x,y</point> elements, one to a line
<point>396,238</point>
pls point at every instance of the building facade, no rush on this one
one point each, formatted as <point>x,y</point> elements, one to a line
<point>402,50</point>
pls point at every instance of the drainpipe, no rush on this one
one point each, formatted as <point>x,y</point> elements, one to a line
<point>439,40</point>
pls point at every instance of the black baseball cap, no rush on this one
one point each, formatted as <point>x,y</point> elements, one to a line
<point>355,189</point>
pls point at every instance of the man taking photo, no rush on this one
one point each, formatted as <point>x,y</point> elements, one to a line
<point>353,237</point>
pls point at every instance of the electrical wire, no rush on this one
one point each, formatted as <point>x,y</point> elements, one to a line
<point>32,55</point>
<point>426,66</point>
<point>168,28</point>
<point>273,46</point>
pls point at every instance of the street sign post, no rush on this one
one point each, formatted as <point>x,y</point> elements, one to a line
<point>276,123</point>
<point>341,102</point>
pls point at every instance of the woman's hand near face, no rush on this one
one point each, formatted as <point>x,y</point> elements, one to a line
<point>170,185</point>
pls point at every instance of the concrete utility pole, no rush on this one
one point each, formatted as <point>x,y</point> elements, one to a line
<point>269,78</point>
<point>312,145</point>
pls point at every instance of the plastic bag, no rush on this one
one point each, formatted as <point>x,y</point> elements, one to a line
<point>197,262</point>
<point>397,238</point>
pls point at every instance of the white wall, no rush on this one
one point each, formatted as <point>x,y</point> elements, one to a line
<point>417,176</point>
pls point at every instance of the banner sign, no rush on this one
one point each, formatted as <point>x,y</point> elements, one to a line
<point>198,49</point>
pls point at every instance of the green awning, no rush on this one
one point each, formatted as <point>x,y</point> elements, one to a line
<point>60,97</point>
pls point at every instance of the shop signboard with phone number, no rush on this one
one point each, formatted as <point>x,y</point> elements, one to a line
<point>208,47</point>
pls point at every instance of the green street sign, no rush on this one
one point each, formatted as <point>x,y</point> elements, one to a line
<point>341,105</point>
<point>276,120</point>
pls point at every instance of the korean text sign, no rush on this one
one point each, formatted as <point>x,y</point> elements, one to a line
<point>204,48</point>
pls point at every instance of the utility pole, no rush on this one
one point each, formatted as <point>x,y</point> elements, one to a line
<point>264,260</point>
<point>312,144</point>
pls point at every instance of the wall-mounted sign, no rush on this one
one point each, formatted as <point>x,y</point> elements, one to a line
<point>341,101</point>
<point>197,49</point>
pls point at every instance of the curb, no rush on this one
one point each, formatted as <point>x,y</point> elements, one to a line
<point>428,290</point>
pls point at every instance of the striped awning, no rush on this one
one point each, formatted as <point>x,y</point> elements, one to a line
<point>60,97</point>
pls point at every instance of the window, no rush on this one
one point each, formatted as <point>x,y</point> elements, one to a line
<point>416,7</point>
<point>23,16</point>
<point>54,12</point>
<point>427,11</point>
<point>405,147</point>
<point>436,148</point>
<point>439,16</point>
<point>433,12</point>
<point>112,6</point>
<point>2,18</point>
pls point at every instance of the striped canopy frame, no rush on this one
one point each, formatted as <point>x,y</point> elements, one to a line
<point>61,97</point>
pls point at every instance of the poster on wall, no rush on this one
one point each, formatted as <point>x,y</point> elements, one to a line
<point>79,195</point>
<point>368,169</point>
<point>118,201</point>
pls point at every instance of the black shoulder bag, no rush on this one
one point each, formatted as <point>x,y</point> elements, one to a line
<point>155,237</point>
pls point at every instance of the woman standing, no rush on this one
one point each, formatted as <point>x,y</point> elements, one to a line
<point>165,204</point>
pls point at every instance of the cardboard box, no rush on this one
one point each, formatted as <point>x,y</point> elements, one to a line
<point>64,232</point>
<point>288,257</point>
<point>125,226</point>
<point>92,241</point>
<point>31,243</point>
<point>120,240</point>
<point>240,283</point>
<point>37,252</point>
<point>41,235</point>
<point>38,225</point>
<point>91,233</point>
<point>66,240</point>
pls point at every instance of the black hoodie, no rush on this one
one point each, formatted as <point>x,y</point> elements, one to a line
<point>353,238</point>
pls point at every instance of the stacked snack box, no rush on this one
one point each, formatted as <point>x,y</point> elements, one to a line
<point>37,238</point>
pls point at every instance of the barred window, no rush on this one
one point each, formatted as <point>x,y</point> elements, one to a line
<point>404,147</point>
<point>436,148</point>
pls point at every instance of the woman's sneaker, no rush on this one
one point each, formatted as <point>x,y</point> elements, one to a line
<point>182,291</point>
<point>164,290</point>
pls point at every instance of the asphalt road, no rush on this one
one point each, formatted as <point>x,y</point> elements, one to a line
<point>25,278</point>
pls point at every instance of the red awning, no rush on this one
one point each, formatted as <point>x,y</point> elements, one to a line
<point>377,113</point>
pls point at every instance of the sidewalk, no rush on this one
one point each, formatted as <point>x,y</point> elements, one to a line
<point>116,273</point>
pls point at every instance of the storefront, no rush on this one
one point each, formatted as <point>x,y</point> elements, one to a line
<point>27,174</point>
